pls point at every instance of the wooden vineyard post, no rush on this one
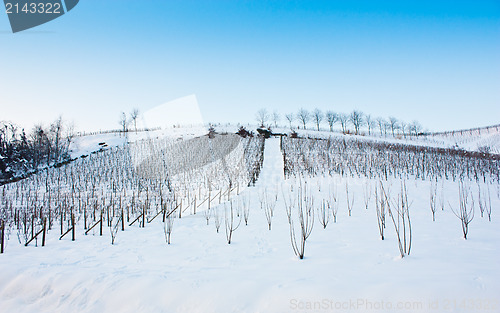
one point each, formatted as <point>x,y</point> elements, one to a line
<point>2,228</point>
<point>72,227</point>
<point>123,222</point>
<point>209,199</point>
<point>50,219</point>
<point>85,218</point>
<point>44,231</point>
<point>144,214</point>
<point>98,222</point>
<point>100,226</point>
<point>32,226</point>
<point>62,229</point>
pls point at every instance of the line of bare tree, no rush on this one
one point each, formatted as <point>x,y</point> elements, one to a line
<point>356,119</point>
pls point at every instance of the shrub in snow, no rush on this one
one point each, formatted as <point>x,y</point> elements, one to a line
<point>245,207</point>
<point>465,212</point>
<point>380,206</point>
<point>323,213</point>
<point>305,217</point>
<point>433,200</point>
<point>232,219</point>
<point>350,201</point>
<point>399,211</point>
<point>217,218</point>
<point>484,201</point>
<point>268,203</point>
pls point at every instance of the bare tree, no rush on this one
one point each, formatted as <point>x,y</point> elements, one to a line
<point>465,211</point>
<point>245,202</point>
<point>350,201</point>
<point>433,200</point>
<point>441,198</point>
<point>318,117</point>
<point>289,201</point>
<point>414,128</point>
<point>232,219</point>
<point>268,203</point>
<point>393,124</point>
<point>56,131</point>
<point>381,125</point>
<point>123,122</point>
<point>370,123</point>
<point>70,134</point>
<point>323,213</point>
<point>262,117</point>
<point>331,118</point>
<point>217,218</point>
<point>488,204</point>
<point>290,118</point>
<point>133,117</point>
<point>367,194</point>
<point>276,118</point>
<point>356,119</point>
<point>380,205</point>
<point>343,118</point>
<point>41,144</point>
<point>484,201</point>
<point>303,116</point>
<point>480,200</point>
<point>403,126</point>
<point>305,214</point>
<point>333,203</point>
<point>399,211</point>
<point>386,128</point>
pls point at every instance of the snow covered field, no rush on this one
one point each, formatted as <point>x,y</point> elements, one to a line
<point>347,267</point>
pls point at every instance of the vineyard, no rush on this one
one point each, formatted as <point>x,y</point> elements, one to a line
<point>127,185</point>
<point>283,220</point>
<point>380,167</point>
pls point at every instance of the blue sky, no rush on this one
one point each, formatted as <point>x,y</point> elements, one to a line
<point>433,61</point>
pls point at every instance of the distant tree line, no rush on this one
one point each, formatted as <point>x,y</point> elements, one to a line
<point>22,152</point>
<point>352,123</point>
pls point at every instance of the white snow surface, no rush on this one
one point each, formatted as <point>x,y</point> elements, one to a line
<point>347,268</point>
<point>83,145</point>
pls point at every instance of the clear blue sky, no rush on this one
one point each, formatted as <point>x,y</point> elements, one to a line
<point>434,61</point>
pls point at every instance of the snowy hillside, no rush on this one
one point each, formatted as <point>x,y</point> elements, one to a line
<point>484,140</point>
<point>84,145</point>
<point>346,268</point>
